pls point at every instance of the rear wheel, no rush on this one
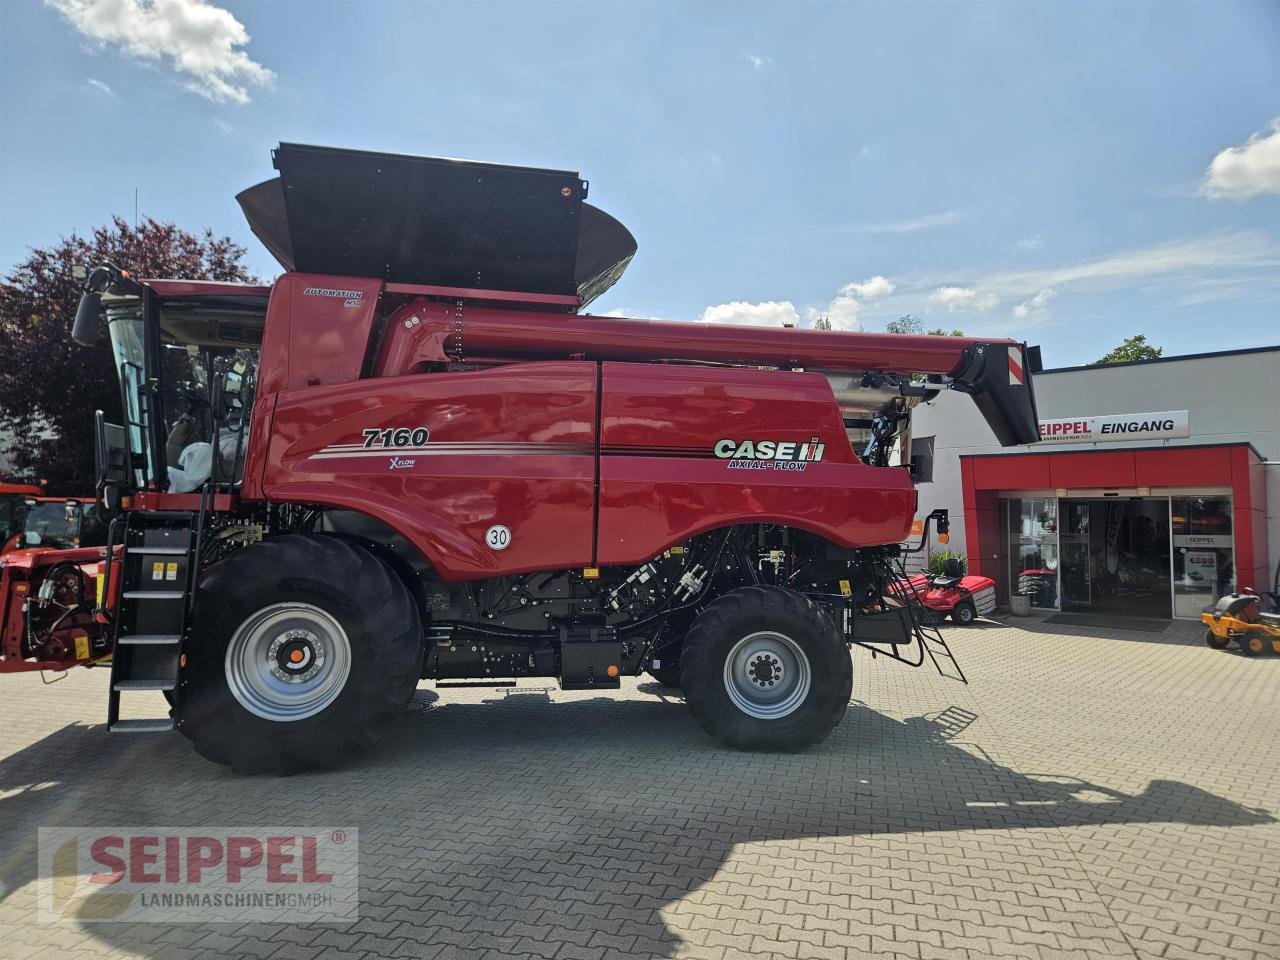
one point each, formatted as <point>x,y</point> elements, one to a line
<point>1215,641</point>
<point>1252,643</point>
<point>964,614</point>
<point>764,668</point>
<point>302,649</point>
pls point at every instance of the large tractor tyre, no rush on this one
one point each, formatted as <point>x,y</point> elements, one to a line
<point>1215,641</point>
<point>302,649</point>
<point>764,668</point>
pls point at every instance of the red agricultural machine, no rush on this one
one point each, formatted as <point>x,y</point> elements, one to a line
<point>412,457</point>
<point>949,593</point>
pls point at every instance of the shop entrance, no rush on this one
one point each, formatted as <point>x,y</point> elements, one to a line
<point>1115,556</point>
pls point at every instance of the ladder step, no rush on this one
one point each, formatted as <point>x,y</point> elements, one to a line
<point>123,685</point>
<point>158,725</point>
<point>154,595</point>
<point>149,639</point>
<point>160,551</point>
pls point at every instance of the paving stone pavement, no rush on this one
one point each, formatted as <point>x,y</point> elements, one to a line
<point>1092,793</point>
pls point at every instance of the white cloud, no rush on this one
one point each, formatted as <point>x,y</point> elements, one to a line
<point>628,313</point>
<point>869,289</point>
<point>963,298</point>
<point>770,313</point>
<point>1235,250</point>
<point>841,311</point>
<point>100,86</point>
<point>202,41</point>
<point>907,226</point>
<point>1034,307</point>
<point>1030,243</point>
<point>1238,173</point>
<point>757,60</point>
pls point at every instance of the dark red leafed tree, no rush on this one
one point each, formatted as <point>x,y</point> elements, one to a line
<point>49,387</point>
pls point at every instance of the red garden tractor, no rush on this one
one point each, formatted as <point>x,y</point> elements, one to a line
<point>413,457</point>
<point>951,593</point>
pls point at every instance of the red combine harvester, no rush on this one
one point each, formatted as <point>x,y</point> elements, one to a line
<point>411,457</point>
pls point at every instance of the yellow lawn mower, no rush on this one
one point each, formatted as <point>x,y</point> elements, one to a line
<point>1241,617</point>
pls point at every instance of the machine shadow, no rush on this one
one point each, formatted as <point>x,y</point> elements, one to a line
<point>503,825</point>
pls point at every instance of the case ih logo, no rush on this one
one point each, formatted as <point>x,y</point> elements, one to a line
<point>763,454</point>
<point>168,874</point>
<point>352,298</point>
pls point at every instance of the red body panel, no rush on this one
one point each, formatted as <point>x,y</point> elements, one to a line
<point>329,346</point>
<point>661,482</point>
<point>512,446</point>
<point>516,446</point>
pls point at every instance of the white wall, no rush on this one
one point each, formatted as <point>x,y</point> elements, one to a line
<point>1231,399</point>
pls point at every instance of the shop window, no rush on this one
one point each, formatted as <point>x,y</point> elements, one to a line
<point>1031,537</point>
<point>1203,552</point>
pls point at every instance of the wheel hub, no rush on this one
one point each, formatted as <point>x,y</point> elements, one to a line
<point>766,670</point>
<point>288,661</point>
<point>297,656</point>
<point>767,675</point>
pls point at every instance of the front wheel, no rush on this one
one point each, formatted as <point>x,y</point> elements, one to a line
<point>302,649</point>
<point>1215,641</point>
<point>764,668</point>
<point>964,614</point>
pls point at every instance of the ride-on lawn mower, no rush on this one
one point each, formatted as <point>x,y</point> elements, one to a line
<point>1240,617</point>
<point>963,597</point>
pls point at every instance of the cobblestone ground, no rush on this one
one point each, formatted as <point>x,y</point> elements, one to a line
<point>1092,793</point>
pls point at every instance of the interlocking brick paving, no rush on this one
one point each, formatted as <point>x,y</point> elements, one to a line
<point>1092,793</point>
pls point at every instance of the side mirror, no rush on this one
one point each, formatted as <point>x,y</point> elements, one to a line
<point>85,330</point>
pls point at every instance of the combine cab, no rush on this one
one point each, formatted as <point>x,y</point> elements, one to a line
<point>413,457</point>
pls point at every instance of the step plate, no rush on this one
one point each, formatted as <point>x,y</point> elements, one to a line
<point>158,725</point>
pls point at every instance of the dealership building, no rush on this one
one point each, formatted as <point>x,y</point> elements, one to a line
<point>1154,490</point>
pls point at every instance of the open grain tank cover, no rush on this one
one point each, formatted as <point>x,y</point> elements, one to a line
<point>428,220</point>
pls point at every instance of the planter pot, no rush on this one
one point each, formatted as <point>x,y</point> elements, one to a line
<point>1020,605</point>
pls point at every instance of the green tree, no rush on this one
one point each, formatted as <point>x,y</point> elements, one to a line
<point>905,324</point>
<point>822,323</point>
<point>1135,348</point>
<point>49,387</point>
<point>910,324</point>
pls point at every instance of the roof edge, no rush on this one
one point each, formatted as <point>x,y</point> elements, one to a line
<point>1184,356</point>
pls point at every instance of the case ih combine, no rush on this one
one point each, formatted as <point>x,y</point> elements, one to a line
<point>412,457</point>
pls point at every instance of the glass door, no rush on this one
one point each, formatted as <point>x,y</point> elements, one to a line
<point>1077,558</point>
<point>1031,536</point>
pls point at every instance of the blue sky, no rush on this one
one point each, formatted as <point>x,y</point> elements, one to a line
<point>1066,173</point>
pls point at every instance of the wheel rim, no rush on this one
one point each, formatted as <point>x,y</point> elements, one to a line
<point>288,661</point>
<point>767,675</point>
